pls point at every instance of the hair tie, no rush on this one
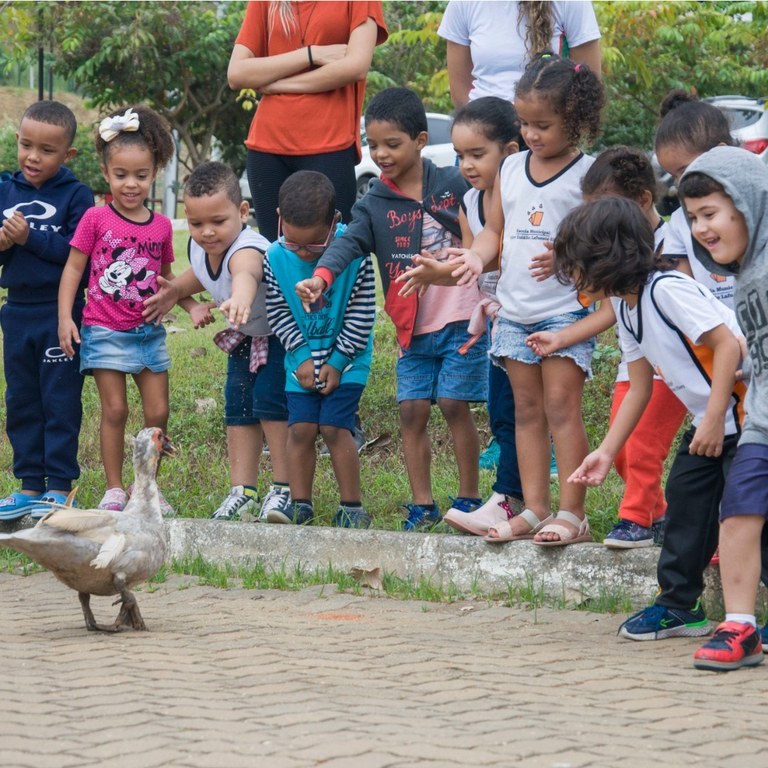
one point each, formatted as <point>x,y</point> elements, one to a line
<point>577,68</point>
<point>109,127</point>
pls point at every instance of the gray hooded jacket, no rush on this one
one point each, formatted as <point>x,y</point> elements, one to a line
<point>745,179</point>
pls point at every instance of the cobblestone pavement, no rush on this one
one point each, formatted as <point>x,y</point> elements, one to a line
<point>230,678</point>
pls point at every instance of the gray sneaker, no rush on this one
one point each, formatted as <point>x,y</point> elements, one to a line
<point>277,502</point>
<point>238,505</point>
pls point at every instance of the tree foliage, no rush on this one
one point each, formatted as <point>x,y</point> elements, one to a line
<point>171,56</point>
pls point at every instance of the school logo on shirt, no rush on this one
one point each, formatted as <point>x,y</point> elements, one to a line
<point>536,214</point>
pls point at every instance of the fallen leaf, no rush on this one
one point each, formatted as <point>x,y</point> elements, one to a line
<point>368,577</point>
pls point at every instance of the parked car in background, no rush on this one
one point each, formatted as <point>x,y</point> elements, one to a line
<point>749,125</point>
<point>439,150</point>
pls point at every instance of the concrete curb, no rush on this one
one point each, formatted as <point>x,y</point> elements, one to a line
<point>576,573</point>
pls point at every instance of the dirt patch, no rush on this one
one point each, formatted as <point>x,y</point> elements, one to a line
<point>13,102</point>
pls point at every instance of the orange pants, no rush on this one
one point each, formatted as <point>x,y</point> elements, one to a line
<point>640,462</point>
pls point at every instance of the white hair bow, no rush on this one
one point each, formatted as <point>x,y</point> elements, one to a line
<point>109,127</point>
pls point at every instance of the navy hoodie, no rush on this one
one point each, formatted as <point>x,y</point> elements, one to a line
<point>31,272</point>
<point>388,224</point>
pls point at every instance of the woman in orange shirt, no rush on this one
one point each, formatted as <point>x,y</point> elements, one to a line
<point>309,61</point>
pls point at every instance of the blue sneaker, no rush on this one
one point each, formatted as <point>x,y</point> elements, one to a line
<point>657,528</point>
<point>464,504</point>
<point>419,518</point>
<point>489,458</point>
<point>764,637</point>
<point>351,517</point>
<point>628,535</point>
<point>296,513</point>
<point>17,505</point>
<point>50,497</point>
<point>657,622</point>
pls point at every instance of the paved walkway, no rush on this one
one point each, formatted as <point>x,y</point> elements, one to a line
<point>230,678</point>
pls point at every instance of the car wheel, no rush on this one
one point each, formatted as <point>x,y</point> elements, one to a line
<point>362,185</point>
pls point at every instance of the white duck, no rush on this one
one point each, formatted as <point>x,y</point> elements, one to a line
<point>97,552</point>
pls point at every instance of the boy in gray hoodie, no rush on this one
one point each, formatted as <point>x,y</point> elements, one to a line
<point>725,193</point>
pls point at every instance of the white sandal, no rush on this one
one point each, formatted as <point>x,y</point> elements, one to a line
<point>567,535</point>
<point>503,529</point>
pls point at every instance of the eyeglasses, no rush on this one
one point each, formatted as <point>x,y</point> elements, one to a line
<point>313,248</point>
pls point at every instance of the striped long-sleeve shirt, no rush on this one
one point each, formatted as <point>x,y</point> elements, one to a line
<point>338,329</point>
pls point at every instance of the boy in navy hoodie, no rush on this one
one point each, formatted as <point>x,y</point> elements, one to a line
<point>414,207</point>
<point>40,208</point>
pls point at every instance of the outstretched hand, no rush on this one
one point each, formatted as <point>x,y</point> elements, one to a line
<point>160,303</point>
<point>593,470</point>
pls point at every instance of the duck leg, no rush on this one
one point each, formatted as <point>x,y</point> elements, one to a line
<point>90,621</point>
<point>129,615</point>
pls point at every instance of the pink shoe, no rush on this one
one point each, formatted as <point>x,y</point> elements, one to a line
<point>477,523</point>
<point>114,500</point>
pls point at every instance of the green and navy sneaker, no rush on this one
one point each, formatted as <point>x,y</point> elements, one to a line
<point>657,622</point>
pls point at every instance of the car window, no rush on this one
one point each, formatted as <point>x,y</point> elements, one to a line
<point>439,131</point>
<point>741,117</point>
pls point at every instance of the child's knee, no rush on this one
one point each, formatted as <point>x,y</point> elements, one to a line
<point>414,414</point>
<point>302,434</point>
<point>453,410</point>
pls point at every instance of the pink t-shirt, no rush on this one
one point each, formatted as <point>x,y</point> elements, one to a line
<point>442,304</point>
<point>125,259</point>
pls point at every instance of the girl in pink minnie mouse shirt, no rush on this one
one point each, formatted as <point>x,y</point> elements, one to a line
<point>124,246</point>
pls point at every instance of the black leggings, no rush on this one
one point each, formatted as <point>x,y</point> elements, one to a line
<point>267,172</point>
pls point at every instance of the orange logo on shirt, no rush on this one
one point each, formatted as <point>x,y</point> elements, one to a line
<point>535,216</point>
<point>718,278</point>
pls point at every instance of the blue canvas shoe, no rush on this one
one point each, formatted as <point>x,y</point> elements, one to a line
<point>50,497</point>
<point>17,505</point>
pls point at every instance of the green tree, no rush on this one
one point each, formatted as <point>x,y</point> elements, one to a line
<point>171,56</point>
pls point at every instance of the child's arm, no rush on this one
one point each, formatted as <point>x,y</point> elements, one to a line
<point>69,286</point>
<point>545,343</point>
<point>708,438</point>
<point>359,317</point>
<point>171,291</point>
<point>247,269</point>
<point>595,467</point>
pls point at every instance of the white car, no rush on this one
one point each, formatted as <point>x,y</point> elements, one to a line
<point>749,121</point>
<point>439,150</point>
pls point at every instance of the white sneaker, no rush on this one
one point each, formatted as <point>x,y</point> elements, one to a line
<point>277,500</point>
<point>238,505</point>
<point>478,522</point>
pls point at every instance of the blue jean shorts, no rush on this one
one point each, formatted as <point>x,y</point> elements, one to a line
<point>746,487</point>
<point>432,367</point>
<point>141,348</point>
<point>253,397</point>
<point>337,409</point>
<point>509,341</point>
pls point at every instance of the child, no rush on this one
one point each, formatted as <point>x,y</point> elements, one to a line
<point>414,208</point>
<point>227,259</point>
<point>725,193</point>
<point>626,172</point>
<point>484,132</point>
<point>669,324</point>
<point>558,103</point>
<point>124,246</point>
<point>41,205</point>
<point>327,352</point>
<point>688,128</point>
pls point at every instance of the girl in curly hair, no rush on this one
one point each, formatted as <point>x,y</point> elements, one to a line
<point>124,247</point>
<point>558,103</point>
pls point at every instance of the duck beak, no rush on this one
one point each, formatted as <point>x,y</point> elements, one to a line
<point>168,448</point>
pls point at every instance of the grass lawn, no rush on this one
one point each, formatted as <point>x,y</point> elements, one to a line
<point>196,480</point>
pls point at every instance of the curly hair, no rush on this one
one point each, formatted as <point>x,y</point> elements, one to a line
<point>621,170</point>
<point>572,90</point>
<point>153,134</point>
<point>212,177</point>
<point>535,16</point>
<point>307,198</point>
<point>492,116</point>
<point>693,124</point>
<point>607,245</point>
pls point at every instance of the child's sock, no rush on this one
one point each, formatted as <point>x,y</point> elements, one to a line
<point>249,490</point>
<point>278,486</point>
<point>351,503</point>
<point>742,618</point>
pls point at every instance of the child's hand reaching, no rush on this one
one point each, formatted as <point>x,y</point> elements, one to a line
<point>328,379</point>
<point>427,270</point>
<point>544,343</point>
<point>160,304</point>
<point>593,470</point>
<point>541,266</point>
<point>16,228</point>
<point>69,335</point>
<point>468,266</point>
<point>309,291</point>
<point>235,311</point>
<point>201,314</point>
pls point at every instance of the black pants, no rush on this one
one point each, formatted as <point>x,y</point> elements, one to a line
<point>267,172</point>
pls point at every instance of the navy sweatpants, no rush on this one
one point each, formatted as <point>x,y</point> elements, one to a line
<point>42,396</point>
